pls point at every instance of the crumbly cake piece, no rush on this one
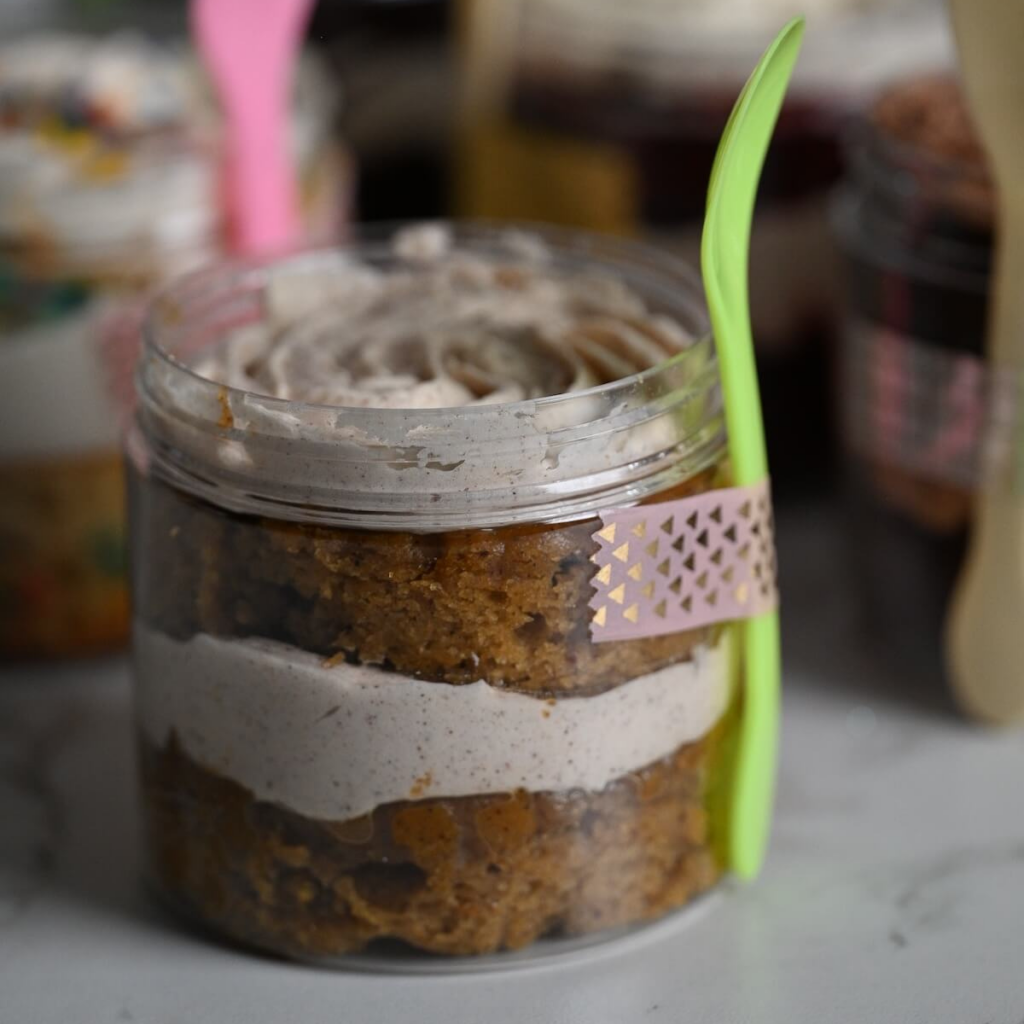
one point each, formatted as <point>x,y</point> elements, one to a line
<point>508,606</point>
<point>469,875</point>
<point>63,577</point>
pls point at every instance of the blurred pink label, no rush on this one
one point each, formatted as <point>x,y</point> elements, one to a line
<point>118,337</point>
<point>681,564</point>
<point>941,414</point>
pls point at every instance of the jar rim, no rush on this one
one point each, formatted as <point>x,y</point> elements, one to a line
<point>903,206</point>
<point>244,439</point>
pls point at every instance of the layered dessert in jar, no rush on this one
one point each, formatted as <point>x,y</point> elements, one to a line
<point>109,152</point>
<point>607,115</point>
<point>373,702</point>
<point>922,415</point>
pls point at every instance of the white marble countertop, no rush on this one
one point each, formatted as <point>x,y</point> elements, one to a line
<point>894,890</point>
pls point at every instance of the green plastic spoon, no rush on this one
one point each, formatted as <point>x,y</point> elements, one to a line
<point>724,262</point>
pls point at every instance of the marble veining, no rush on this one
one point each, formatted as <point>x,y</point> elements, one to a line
<point>30,805</point>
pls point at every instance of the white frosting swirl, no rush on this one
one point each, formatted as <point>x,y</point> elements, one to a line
<point>445,329</point>
<point>475,316</point>
<point>334,742</point>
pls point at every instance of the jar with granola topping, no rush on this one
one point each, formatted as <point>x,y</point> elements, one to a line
<point>397,674</point>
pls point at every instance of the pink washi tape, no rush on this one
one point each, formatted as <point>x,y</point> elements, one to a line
<point>682,564</point>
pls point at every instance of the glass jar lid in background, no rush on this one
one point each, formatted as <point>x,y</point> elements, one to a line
<point>918,195</point>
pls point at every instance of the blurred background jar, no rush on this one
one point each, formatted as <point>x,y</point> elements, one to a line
<point>109,185</point>
<point>915,218</point>
<point>393,59</point>
<point>606,115</point>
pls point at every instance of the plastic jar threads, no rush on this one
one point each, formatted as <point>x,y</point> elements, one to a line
<point>372,694</point>
<point>915,217</point>
<point>606,115</point>
<point>108,185</point>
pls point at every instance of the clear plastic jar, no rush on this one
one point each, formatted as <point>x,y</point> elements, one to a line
<point>919,409</point>
<point>369,700</point>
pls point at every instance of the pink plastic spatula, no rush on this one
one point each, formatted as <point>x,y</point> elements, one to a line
<point>250,47</point>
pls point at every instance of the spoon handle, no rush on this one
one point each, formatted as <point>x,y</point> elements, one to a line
<point>250,51</point>
<point>985,634</point>
<point>263,195</point>
<point>758,745</point>
<point>725,247</point>
<point>985,631</point>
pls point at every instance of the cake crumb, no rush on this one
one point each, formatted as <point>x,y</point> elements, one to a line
<point>421,785</point>
<point>226,420</point>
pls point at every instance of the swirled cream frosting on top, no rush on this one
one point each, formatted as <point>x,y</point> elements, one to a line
<point>442,327</point>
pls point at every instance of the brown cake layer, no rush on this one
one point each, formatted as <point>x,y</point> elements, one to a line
<point>63,578</point>
<point>467,875</point>
<point>509,606</point>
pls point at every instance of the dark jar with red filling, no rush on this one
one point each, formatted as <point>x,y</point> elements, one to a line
<point>915,218</point>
